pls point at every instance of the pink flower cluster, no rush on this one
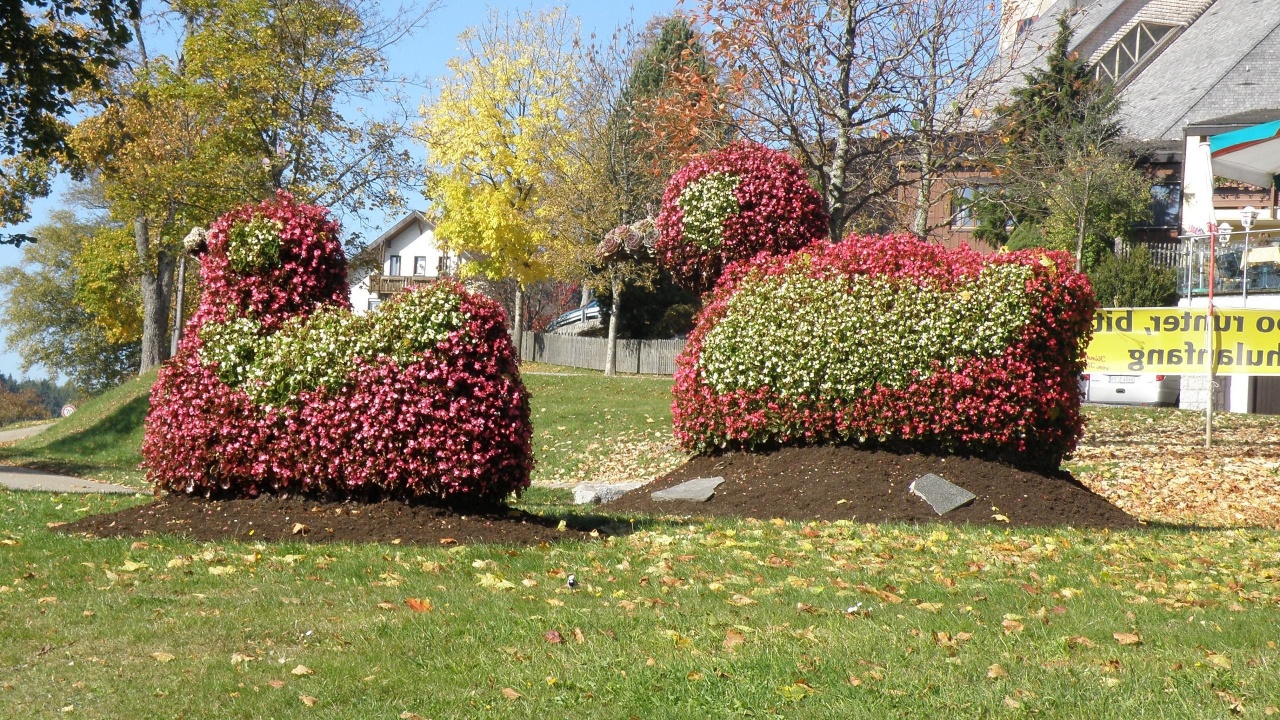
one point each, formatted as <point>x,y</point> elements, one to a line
<point>779,211</point>
<point>1022,406</point>
<point>453,425</point>
<point>311,268</point>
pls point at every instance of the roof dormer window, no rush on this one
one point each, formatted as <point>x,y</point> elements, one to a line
<point>1136,45</point>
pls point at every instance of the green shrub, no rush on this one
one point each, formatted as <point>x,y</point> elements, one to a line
<point>1133,280</point>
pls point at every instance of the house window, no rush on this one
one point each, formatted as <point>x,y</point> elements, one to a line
<point>1132,49</point>
<point>373,304</point>
<point>442,265</point>
<point>393,265</point>
<point>419,265</point>
<point>1166,204</point>
<point>962,207</point>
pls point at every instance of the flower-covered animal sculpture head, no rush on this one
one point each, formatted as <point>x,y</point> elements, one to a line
<point>278,387</point>
<point>734,204</point>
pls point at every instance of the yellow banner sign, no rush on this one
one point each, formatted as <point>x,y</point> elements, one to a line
<point>1171,341</point>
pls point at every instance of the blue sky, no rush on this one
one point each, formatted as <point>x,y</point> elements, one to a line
<point>423,55</point>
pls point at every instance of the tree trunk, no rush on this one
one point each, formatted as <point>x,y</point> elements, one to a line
<point>1080,224</point>
<point>924,197</point>
<point>178,309</point>
<point>157,288</point>
<point>586,294</point>
<point>517,320</point>
<point>611,348</point>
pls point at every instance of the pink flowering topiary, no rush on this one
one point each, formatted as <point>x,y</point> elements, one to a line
<point>278,388</point>
<point>890,340</point>
<point>733,204</point>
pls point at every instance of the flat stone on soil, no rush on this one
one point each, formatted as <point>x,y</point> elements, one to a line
<point>601,493</point>
<point>941,495</point>
<point>695,490</point>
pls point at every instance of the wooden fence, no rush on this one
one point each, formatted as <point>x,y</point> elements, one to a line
<point>648,357</point>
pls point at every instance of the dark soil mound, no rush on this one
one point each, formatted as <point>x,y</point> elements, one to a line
<point>277,519</point>
<point>834,483</point>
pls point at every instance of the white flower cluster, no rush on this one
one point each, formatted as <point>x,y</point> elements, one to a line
<point>705,203</point>
<point>836,338</point>
<point>254,245</point>
<point>322,349</point>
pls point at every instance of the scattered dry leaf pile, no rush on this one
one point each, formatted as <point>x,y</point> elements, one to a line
<point>1153,464</point>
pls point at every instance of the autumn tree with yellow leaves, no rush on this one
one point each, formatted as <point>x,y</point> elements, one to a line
<point>493,131</point>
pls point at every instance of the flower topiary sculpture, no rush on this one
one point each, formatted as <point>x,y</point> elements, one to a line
<point>890,340</point>
<point>733,204</point>
<point>279,388</point>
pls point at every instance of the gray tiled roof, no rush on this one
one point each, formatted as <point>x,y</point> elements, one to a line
<point>1035,43</point>
<point>1226,62</point>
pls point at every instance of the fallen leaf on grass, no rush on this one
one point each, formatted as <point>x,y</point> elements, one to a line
<point>883,595</point>
<point>277,684</point>
<point>510,694</point>
<point>1011,626</point>
<point>1079,641</point>
<point>308,700</point>
<point>1127,638</point>
<point>300,529</point>
<point>163,657</point>
<point>578,637</point>
<point>740,600</point>
<point>995,672</point>
<point>1233,703</point>
<point>930,606</point>
<point>406,715</point>
<point>422,605</point>
<point>387,606</point>
<point>733,637</point>
<point>1219,661</point>
<point>302,670</point>
<point>1011,703</point>
<point>553,636</point>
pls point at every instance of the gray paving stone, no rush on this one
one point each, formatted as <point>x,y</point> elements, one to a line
<point>941,495</point>
<point>695,490</point>
<point>601,493</point>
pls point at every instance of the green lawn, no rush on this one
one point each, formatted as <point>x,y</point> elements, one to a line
<point>727,618</point>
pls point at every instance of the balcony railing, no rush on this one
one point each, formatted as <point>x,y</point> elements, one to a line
<point>1233,274</point>
<point>390,284</point>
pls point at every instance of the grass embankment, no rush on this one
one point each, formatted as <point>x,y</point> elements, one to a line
<point>100,441</point>
<point>679,620</point>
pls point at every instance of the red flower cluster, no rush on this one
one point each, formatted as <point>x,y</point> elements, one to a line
<point>1022,406</point>
<point>778,211</point>
<point>311,268</point>
<point>451,426</point>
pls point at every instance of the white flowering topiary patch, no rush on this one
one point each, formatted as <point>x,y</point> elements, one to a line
<point>255,245</point>
<point>705,204</point>
<point>839,337</point>
<point>323,349</point>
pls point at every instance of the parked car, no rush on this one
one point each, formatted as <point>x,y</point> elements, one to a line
<point>586,313</point>
<point>1117,389</point>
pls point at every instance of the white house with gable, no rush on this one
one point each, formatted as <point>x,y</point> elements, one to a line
<point>406,255</point>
